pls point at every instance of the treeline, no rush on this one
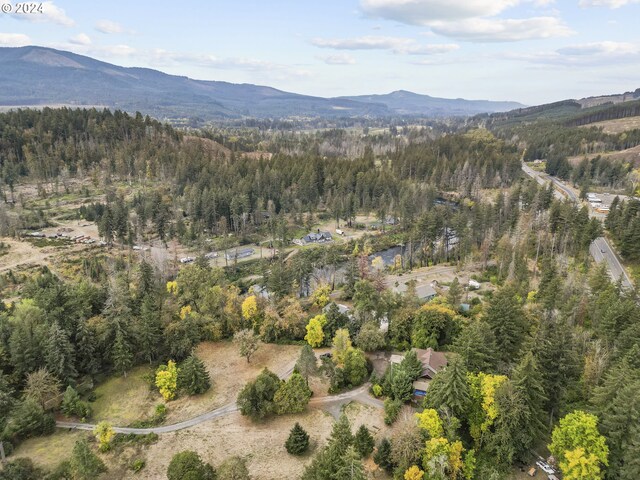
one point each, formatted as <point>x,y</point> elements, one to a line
<point>50,145</point>
<point>607,112</point>
<point>623,222</point>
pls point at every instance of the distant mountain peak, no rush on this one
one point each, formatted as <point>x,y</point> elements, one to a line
<point>61,77</point>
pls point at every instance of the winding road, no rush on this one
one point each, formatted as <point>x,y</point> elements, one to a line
<point>600,248</point>
<point>360,394</point>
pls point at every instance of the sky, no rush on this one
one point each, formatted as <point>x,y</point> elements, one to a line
<point>531,51</point>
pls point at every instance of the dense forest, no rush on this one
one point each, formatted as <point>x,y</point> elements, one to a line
<point>546,359</point>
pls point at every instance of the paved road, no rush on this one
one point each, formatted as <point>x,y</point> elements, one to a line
<point>360,395</point>
<point>600,248</point>
<point>601,251</point>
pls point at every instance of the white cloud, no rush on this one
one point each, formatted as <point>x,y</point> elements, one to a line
<point>433,49</point>
<point>471,20</point>
<point>50,13</point>
<point>165,58</point>
<point>338,59</point>
<point>109,27</point>
<point>607,3</point>
<point>586,54</point>
<point>422,12</point>
<point>14,40</point>
<point>364,43</point>
<point>503,30</point>
<point>395,44</point>
<point>81,39</point>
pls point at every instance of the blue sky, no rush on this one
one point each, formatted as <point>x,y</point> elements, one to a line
<point>532,51</point>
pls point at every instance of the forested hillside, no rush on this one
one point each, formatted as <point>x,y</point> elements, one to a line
<point>438,242</point>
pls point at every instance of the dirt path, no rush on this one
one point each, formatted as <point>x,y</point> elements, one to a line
<point>360,394</point>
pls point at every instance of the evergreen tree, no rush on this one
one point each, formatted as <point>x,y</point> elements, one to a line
<point>149,334</point>
<point>293,395</point>
<point>341,437</point>
<point>193,376</point>
<point>450,389</point>
<point>477,345</point>
<point>401,384</point>
<point>412,365</point>
<point>58,354</point>
<point>454,295</point>
<point>121,352</point>
<point>382,457</point>
<point>298,441</point>
<point>527,382</point>
<point>557,362</point>
<point>87,358</point>
<point>508,322</point>
<point>307,364</point>
<point>352,468</point>
<point>73,405</point>
<point>84,464</point>
<point>363,442</point>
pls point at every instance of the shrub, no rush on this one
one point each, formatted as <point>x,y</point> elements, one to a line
<point>391,410</point>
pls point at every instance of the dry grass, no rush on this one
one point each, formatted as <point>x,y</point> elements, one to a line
<point>229,372</point>
<point>49,451</point>
<point>122,400</point>
<point>617,126</point>
<point>261,444</point>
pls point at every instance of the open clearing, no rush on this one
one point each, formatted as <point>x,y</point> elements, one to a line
<point>50,450</point>
<point>122,401</point>
<point>261,444</point>
<point>630,155</point>
<point>617,126</point>
<point>229,372</point>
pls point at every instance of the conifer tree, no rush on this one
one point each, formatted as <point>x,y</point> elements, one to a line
<point>527,381</point>
<point>507,320</point>
<point>58,354</point>
<point>450,389</point>
<point>298,441</point>
<point>307,363</point>
<point>149,332</point>
<point>352,468</point>
<point>121,352</point>
<point>382,456</point>
<point>193,376</point>
<point>84,464</point>
<point>363,442</point>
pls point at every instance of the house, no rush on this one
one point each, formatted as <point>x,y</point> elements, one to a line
<point>424,292</point>
<point>343,309</point>
<point>260,291</point>
<point>432,363</point>
<point>319,237</point>
<point>238,254</point>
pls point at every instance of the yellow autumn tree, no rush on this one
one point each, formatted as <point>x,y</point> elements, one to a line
<point>413,473</point>
<point>172,287</point>
<point>250,308</point>
<point>341,346</point>
<point>167,380</point>
<point>577,465</point>
<point>104,433</point>
<point>315,334</point>
<point>321,296</point>
<point>185,311</point>
<point>429,420</point>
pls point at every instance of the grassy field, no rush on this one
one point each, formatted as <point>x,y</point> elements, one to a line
<point>617,126</point>
<point>122,400</point>
<point>49,451</point>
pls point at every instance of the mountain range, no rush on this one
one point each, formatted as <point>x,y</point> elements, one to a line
<point>38,76</point>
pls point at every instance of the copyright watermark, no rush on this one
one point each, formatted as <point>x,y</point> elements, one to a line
<point>22,8</point>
